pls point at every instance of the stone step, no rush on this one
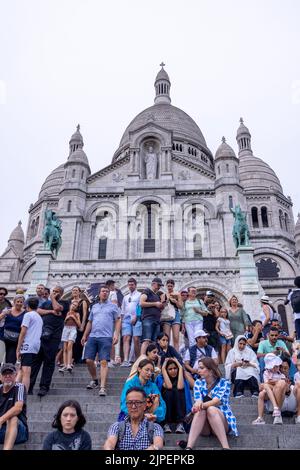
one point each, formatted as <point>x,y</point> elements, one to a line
<point>267,440</point>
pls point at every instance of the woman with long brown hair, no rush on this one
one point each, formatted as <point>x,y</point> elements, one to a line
<point>238,318</point>
<point>212,413</point>
<point>83,313</point>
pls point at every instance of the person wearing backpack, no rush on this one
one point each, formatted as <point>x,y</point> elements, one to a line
<point>294,298</point>
<point>135,432</point>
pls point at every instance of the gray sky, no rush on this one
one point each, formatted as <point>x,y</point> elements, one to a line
<point>93,62</point>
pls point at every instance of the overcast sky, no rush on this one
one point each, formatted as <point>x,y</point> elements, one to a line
<point>93,62</point>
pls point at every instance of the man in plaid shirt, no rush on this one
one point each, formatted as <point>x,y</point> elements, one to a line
<point>136,432</point>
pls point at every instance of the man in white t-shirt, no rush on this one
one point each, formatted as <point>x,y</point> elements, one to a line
<point>131,326</point>
<point>294,298</point>
<point>29,341</point>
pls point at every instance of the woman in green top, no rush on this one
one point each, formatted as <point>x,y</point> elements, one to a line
<point>239,320</point>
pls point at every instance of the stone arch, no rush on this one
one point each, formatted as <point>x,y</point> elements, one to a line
<point>210,210</point>
<point>220,289</point>
<point>281,258</point>
<point>155,134</point>
<point>27,270</point>
<point>90,214</point>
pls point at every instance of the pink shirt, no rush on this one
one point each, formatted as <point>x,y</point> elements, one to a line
<point>274,376</point>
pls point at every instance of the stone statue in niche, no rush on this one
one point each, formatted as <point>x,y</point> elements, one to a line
<point>151,163</point>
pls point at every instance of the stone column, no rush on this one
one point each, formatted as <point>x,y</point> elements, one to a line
<point>250,285</point>
<point>41,270</point>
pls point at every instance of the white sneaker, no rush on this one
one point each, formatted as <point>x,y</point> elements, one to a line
<point>297,419</point>
<point>259,421</point>
<point>91,385</point>
<point>125,364</point>
<point>277,420</point>
<point>102,392</point>
<point>110,365</point>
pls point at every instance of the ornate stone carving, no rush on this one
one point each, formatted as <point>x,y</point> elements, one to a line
<point>117,177</point>
<point>184,175</point>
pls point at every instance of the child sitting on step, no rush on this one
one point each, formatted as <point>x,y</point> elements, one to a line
<point>69,334</point>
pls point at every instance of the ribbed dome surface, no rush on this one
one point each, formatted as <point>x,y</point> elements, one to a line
<point>256,174</point>
<point>224,150</point>
<point>53,182</point>
<point>17,234</point>
<point>170,118</point>
<point>78,156</point>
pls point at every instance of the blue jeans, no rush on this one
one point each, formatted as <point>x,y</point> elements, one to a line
<point>150,329</point>
<point>22,435</point>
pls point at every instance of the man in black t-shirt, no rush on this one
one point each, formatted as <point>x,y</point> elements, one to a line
<point>152,306</point>
<point>53,313</point>
<point>13,421</point>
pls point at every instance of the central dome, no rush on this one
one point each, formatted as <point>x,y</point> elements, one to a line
<point>170,118</point>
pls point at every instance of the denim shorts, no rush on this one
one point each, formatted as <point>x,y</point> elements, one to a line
<point>223,340</point>
<point>102,346</point>
<point>22,435</point>
<point>131,330</point>
<point>150,329</point>
<point>176,320</point>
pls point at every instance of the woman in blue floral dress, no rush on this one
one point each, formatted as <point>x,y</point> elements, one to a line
<point>212,409</point>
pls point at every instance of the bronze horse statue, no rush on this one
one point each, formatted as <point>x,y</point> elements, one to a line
<point>52,232</point>
<point>240,231</point>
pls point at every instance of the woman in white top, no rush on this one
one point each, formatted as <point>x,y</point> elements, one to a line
<point>241,368</point>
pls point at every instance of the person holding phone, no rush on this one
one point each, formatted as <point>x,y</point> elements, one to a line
<point>242,369</point>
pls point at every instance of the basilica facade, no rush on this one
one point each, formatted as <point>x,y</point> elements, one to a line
<point>162,207</point>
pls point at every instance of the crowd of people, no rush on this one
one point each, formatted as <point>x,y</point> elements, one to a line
<point>173,342</point>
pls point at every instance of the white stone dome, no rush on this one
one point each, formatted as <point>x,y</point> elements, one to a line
<point>257,174</point>
<point>170,118</point>
<point>224,150</point>
<point>17,234</point>
<point>78,156</point>
<point>53,182</point>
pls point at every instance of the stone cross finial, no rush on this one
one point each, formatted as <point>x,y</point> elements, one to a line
<point>20,222</point>
<point>241,120</point>
<point>162,64</point>
<point>78,127</point>
<point>223,140</point>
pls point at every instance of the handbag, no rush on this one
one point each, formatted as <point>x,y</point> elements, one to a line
<point>168,313</point>
<point>10,335</point>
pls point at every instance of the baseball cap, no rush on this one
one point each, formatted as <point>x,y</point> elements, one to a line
<point>271,360</point>
<point>158,280</point>
<point>209,293</point>
<point>8,367</point>
<point>200,333</point>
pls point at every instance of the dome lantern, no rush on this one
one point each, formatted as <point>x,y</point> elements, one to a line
<point>162,86</point>
<point>243,138</point>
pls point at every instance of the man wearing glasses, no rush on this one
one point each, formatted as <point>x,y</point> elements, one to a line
<point>131,326</point>
<point>135,432</point>
<point>13,421</point>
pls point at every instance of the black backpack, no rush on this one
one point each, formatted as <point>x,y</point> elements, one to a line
<point>121,433</point>
<point>295,301</point>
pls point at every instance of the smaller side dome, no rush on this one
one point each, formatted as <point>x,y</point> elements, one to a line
<point>17,234</point>
<point>224,150</point>
<point>53,182</point>
<point>77,154</point>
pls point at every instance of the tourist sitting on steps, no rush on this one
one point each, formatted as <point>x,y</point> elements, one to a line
<point>152,355</point>
<point>198,351</point>
<point>136,432</point>
<point>273,388</point>
<point>271,345</point>
<point>13,421</point>
<point>165,350</point>
<point>156,410</point>
<point>176,393</point>
<point>242,369</point>
<point>212,412</point>
<point>69,434</point>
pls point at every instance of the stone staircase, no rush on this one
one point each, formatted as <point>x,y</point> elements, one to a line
<point>100,412</point>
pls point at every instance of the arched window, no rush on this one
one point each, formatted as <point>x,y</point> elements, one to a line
<point>32,229</point>
<point>286,222</point>
<point>173,146</point>
<point>230,202</point>
<point>254,215</point>
<point>149,234</point>
<point>264,217</point>
<point>73,173</point>
<point>102,248</point>
<point>281,219</point>
<point>69,206</point>
<point>180,147</point>
<point>197,243</point>
<point>219,171</point>
<point>227,168</point>
<point>82,174</point>
<point>37,223</point>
